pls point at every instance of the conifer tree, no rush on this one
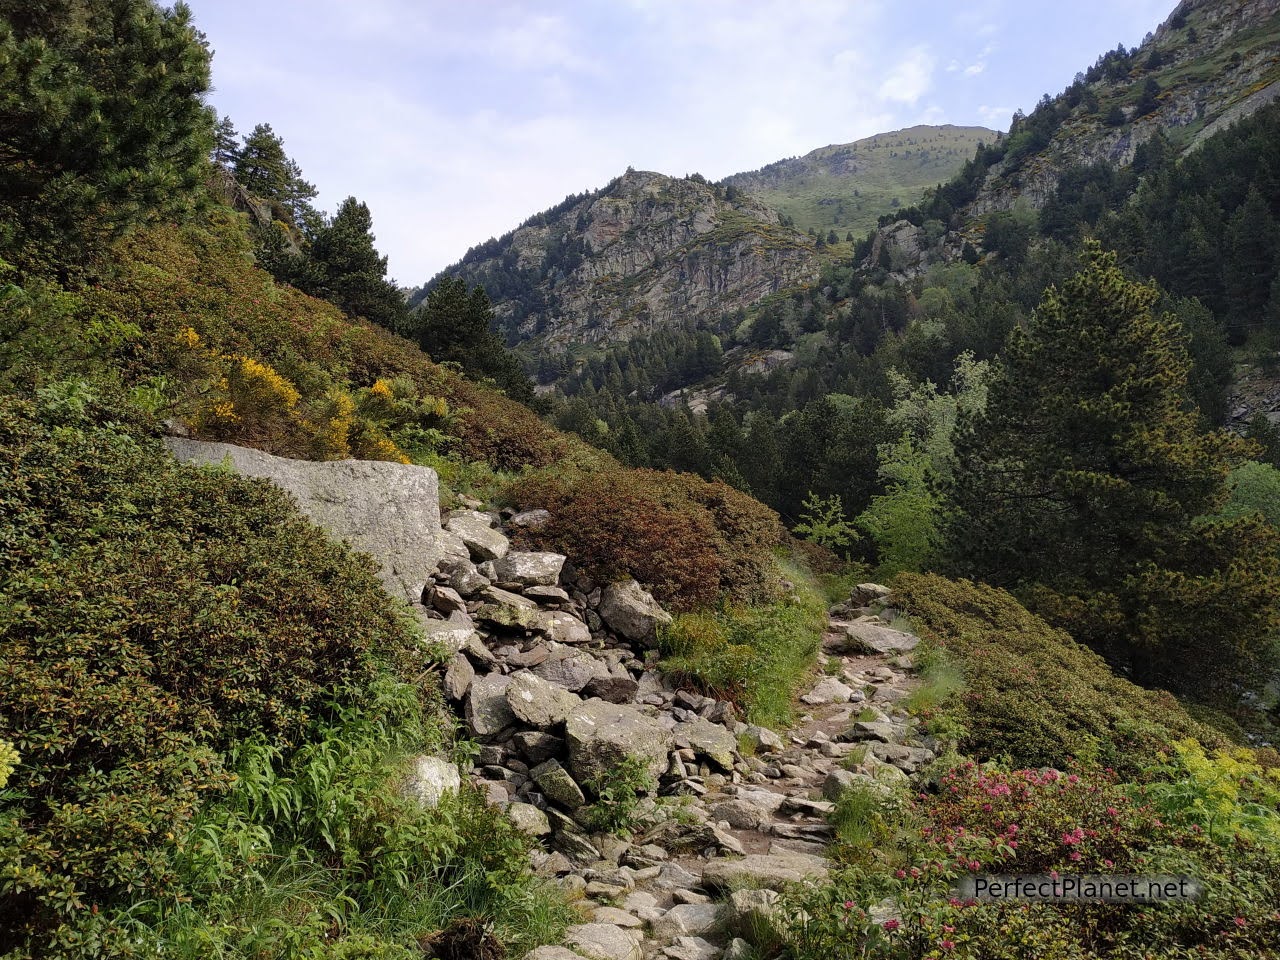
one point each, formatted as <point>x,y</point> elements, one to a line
<point>350,272</point>
<point>103,125</point>
<point>264,169</point>
<point>1087,484</point>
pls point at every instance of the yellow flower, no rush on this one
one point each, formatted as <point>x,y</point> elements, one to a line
<point>8,761</point>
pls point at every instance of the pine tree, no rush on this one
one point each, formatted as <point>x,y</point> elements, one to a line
<point>264,169</point>
<point>1087,481</point>
<point>226,143</point>
<point>350,272</point>
<point>102,123</point>
<point>1250,265</point>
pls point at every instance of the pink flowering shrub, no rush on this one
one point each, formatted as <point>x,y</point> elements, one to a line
<point>902,903</point>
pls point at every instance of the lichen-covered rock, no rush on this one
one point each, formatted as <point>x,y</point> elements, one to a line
<point>476,530</point>
<point>458,677</point>
<point>558,786</point>
<point>529,568</point>
<point>631,612</point>
<point>538,703</point>
<point>570,668</point>
<point>488,712</point>
<point>772,870</point>
<point>560,627</point>
<point>450,635</point>
<point>866,636</point>
<point>391,511</point>
<point>529,819</point>
<point>709,740</point>
<point>602,735</point>
<point>429,779</point>
<point>604,941</point>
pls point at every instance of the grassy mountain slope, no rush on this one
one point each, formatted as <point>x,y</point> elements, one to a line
<point>847,187</point>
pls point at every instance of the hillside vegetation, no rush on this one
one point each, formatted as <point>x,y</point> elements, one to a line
<point>848,187</point>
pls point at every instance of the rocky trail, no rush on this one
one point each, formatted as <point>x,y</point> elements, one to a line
<point>554,676</point>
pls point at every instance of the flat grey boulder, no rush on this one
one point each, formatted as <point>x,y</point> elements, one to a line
<point>869,637</point>
<point>538,703</point>
<point>476,531</point>
<point>529,819</point>
<point>770,870</point>
<point>689,919</point>
<point>692,948</point>
<point>458,677</point>
<point>429,779</point>
<point>602,735</point>
<point>604,941</point>
<point>553,953</point>
<point>560,627</point>
<point>529,568</point>
<point>391,511</point>
<point>554,781</point>
<point>450,635</point>
<point>488,711</point>
<point>631,612</point>
<point>709,740</point>
<point>762,739</point>
<point>570,668</point>
<point>828,690</point>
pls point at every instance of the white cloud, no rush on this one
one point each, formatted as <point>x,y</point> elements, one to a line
<point>975,68</point>
<point>910,79</point>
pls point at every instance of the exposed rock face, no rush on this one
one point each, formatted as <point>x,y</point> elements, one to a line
<point>646,252</point>
<point>477,533</point>
<point>389,510</point>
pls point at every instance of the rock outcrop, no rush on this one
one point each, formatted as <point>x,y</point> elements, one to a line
<point>390,511</point>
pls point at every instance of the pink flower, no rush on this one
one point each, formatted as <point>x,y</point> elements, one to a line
<point>947,928</point>
<point>1075,855</point>
<point>1013,844</point>
<point>901,874</point>
<point>947,945</point>
<point>1240,921</point>
<point>891,925</point>
<point>848,904</point>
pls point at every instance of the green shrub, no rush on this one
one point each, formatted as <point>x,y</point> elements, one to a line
<point>152,617</point>
<point>617,792</point>
<point>1031,693</point>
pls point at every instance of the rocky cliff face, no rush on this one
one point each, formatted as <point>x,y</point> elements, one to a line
<point>1220,61</point>
<point>647,251</point>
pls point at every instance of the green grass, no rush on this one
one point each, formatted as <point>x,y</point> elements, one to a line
<point>818,190</point>
<point>756,656</point>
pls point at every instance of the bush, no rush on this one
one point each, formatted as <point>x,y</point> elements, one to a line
<point>152,617</point>
<point>689,540</point>
<point>1032,694</point>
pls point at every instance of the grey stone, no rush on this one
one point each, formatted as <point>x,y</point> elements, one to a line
<point>390,511</point>
<point>528,568</point>
<point>452,546</point>
<point>613,689</point>
<point>538,747</point>
<point>553,953</point>
<point>445,599</point>
<point>766,801</point>
<point>676,877</point>
<point>869,637</point>
<point>643,904</point>
<point>537,702</point>
<point>535,655</point>
<point>738,814</point>
<point>449,635</point>
<point>463,577</point>
<point>531,519</point>
<point>772,870</point>
<point>828,690</point>
<point>763,739</point>
<point>570,668</point>
<point>554,781</point>
<point>691,948</point>
<point>488,712</point>
<point>529,819</point>
<point>752,910</point>
<point>619,918</point>
<point>429,779</point>
<point>709,740</point>
<point>871,730</point>
<point>601,735</point>
<point>476,530</point>
<point>604,941</point>
<point>560,627</point>
<point>868,593</point>
<point>631,612</point>
<point>547,594</point>
<point>738,949</point>
<point>458,677</point>
<point>689,919</point>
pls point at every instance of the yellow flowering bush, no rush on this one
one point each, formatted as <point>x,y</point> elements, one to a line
<point>8,761</point>
<point>1228,794</point>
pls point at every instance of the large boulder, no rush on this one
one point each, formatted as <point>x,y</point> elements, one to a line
<point>476,530</point>
<point>560,627</point>
<point>391,511</point>
<point>631,612</point>
<point>772,871</point>
<point>529,569</point>
<point>488,711</point>
<point>538,703</point>
<point>556,784</point>
<point>868,636</point>
<point>570,668</point>
<point>602,735</point>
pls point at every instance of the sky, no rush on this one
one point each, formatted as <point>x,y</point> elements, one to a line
<point>454,120</point>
